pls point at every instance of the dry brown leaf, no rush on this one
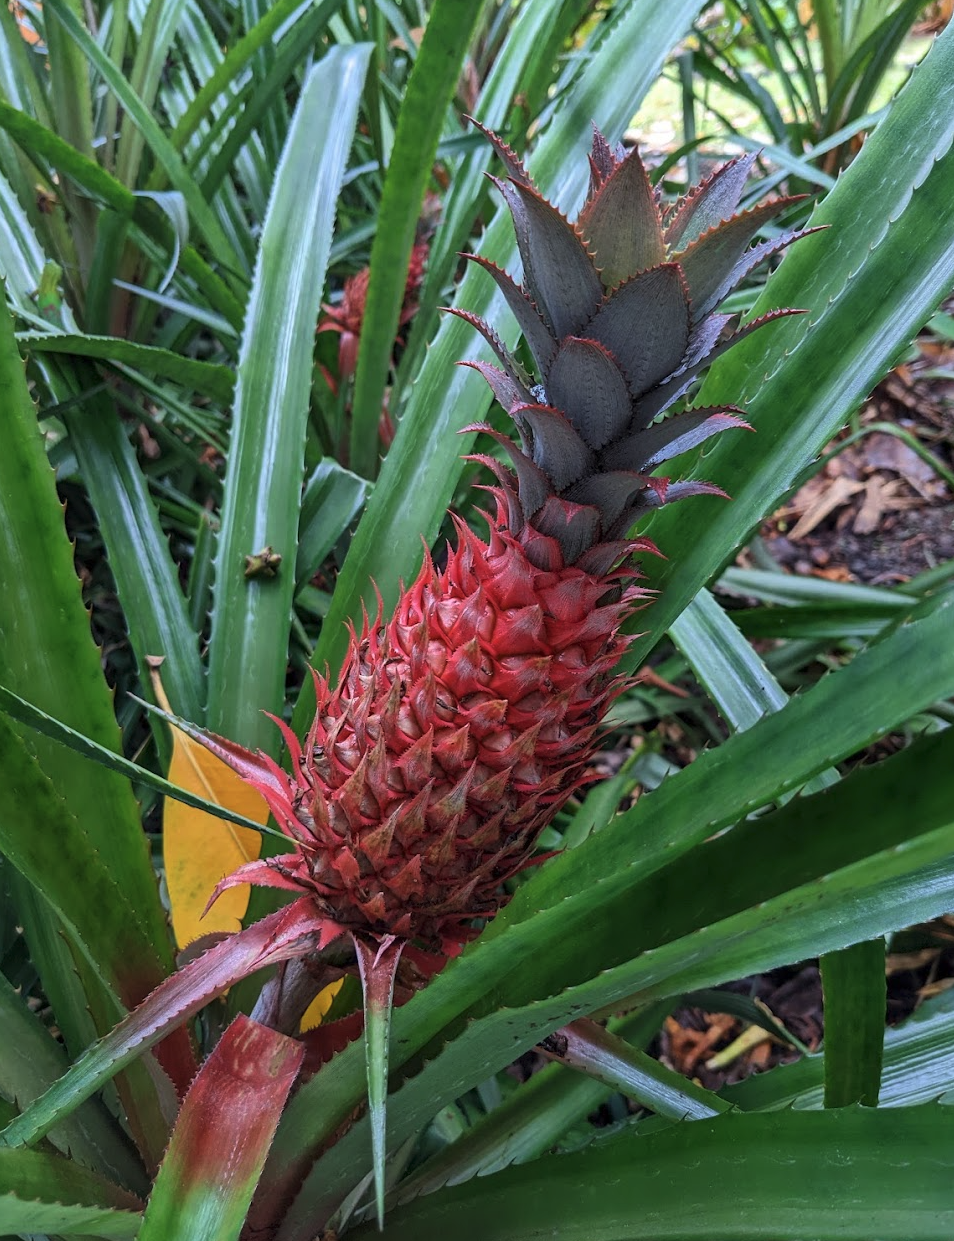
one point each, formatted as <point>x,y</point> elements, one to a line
<point>839,493</point>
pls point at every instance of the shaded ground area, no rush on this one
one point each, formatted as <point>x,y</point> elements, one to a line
<point>881,511</point>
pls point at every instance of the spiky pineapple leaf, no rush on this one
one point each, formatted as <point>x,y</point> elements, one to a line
<point>792,1176</point>
<point>222,1136</point>
<point>556,264</point>
<point>286,934</point>
<point>378,964</point>
<point>716,261</point>
<point>657,300</point>
<point>647,449</point>
<point>44,1193</point>
<point>527,314</point>
<point>585,381</point>
<point>621,223</point>
<point>708,203</point>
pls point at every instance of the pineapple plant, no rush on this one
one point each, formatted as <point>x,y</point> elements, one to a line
<point>462,725</point>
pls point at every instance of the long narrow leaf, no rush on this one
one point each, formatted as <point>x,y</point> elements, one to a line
<point>420,122</point>
<point>252,616</point>
<point>43,1193</point>
<point>791,1177</point>
<point>854,991</point>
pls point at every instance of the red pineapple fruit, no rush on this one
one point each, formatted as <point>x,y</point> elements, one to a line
<point>463,724</point>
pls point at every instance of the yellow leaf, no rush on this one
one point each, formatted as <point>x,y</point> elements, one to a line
<point>315,1012</point>
<point>199,849</point>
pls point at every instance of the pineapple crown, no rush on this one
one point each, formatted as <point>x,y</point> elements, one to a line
<point>618,309</point>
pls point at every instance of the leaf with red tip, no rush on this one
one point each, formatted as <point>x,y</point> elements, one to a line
<point>704,347</point>
<point>276,871</point>
<point>647,449</point>
<point>621,223</point>
<point>715,262</point>
<point>585,381</point>
<point>509,157</point>
<point>682,490</point>
<point>709,203</point>
<point>222,1136</point>
<point>378,965</point>
<point>557,269</point>
<point>602,161</point>
<point>538,336</point>
<point>534,485</point>
<point>557,448</point>
<point>510,364</point>
<point>290,932</point>
<point>645,325</point>
<point>508,390</point>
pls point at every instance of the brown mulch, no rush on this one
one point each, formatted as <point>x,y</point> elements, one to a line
<point>877,512</point>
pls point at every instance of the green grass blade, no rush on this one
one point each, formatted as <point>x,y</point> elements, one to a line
<point>420,124</point>
<point>423,464</point>
<point>855,991</point>
<point>251,616</point>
